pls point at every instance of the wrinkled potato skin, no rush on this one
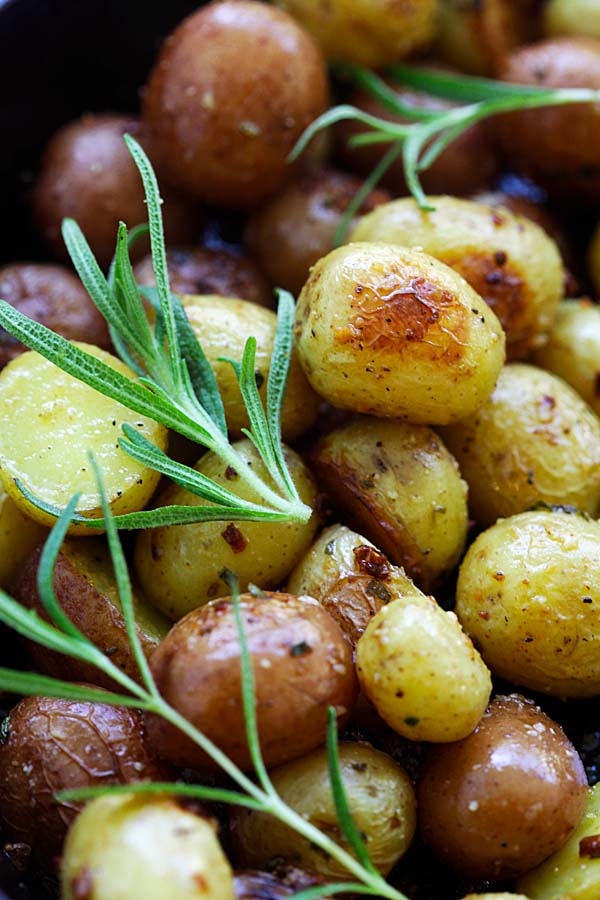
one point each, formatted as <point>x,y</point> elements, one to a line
<point>568,873</point>
<point>297,227</point>
<point>52,745</point>
<point>535,440</point>
<point>143,846</point>
<point>52,295</point>
<point>223,325</point>
<point>499,802</point>
<point>424,696</point>
<point>58,420</point>
<point>508,260</point>
<point>574,17</point>
<point>528,593</point>
<point>573,349</point>
<point>302,665</point>
<point>402,488</point>
<point>204,270</point>
<point>19,535</point>
<point>556,146</point>
<point>391,332</point>
<point>234,87</point>
<point>381,799</point>
<point>88,174</point>
<point>85,586</point>
<point>179,566</point>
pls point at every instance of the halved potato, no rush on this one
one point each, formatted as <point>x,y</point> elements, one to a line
<point>18,536</point>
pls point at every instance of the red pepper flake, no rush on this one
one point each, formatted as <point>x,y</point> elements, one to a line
<point>590,846</point>
<point>234,537</point>
<point>372,562</point>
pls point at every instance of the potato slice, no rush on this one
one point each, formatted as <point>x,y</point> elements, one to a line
<point>18,536</point>
<point>48,422</point>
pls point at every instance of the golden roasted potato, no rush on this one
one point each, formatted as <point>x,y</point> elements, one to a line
<point>528,593</point>
<point>222,325</point>
<point>179,566</point>
<point>580,18</point>
<point>48,422</point>
<point>507,259</point>
<point>573,349</point>
<point>402,488</point>
<point>302,665</point>
<point>393,332</point>
<point>500,801</point>
<point>18,536</point>
<point>574,870</point>
<point>86,589</point>
<point>534,440</point>
<point>381,799</point>
<point>143,846</point>
<point>419,669</point>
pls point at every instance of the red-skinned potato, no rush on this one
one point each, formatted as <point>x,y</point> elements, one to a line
<point>497,803</point>
<point>233,88</point>
<point>302,665</point>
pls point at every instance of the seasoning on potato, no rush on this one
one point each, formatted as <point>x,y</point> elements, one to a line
<point>503,799</point>
<point>392,332</point>
<point>302,665</point>
<point>528,593</point>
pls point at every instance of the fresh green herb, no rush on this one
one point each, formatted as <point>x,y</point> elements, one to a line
<point>421,140</point>
<point>176,385</point>
<point>66,638</point>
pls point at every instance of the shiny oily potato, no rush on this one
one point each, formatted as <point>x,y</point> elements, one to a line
<point>232,90</point>
<point>86,589</point>
<point>399,485</point>
<point>179,567</point>
<point>392,332</point>
<point>507,259</point>
<point>223,325</point>
<point>528,593</point>
<point>534,440</point>
<point>573,17</point>
<point>347,575</point>
<point>48,422</point>
<point>49,745</point>
<point>420,670</point>
<point>573,349</point>
<point>572,872</point>
<point>131,845</point>
<point>302,665</point>
<point>497,803</point>
<point>381,799</point>
<point>54,296</point>
<point>19,535</point>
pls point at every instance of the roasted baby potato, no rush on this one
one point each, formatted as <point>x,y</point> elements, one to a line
<point>143,846</point>
<point>48,422</point>
<point>179,567</point>
<point>400,486</point>
<point>302,665</point>
<point>223,325</point>
<point>49,745</point>
<point>508,260</point>
<point>534,440</point>
<point>573,349</point>
<point>381,799</point>
<point>503,799</point>
<point>393,332</point>
<point>528,593</point>
<point>419,669</point>
<point>19,535</point>
<point>85,586</point>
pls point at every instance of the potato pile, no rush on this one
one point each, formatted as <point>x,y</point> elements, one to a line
<point>441,423</point>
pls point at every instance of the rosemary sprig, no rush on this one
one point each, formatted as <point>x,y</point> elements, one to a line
<point>176,385</point>
<point>421,140</point>
<point>261,796</point>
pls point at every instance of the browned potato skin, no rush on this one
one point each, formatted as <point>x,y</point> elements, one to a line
<point>80,594</point>
<point>283,881</point>
<point>88,174</point>
<point>289,234</point>
<point>52,295</point>
<point>253,81</point>
<point>303,664</point>
<point>50,745</point>
<point>203,270</point>
<point>556,146</point>
<point>497,803</point>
